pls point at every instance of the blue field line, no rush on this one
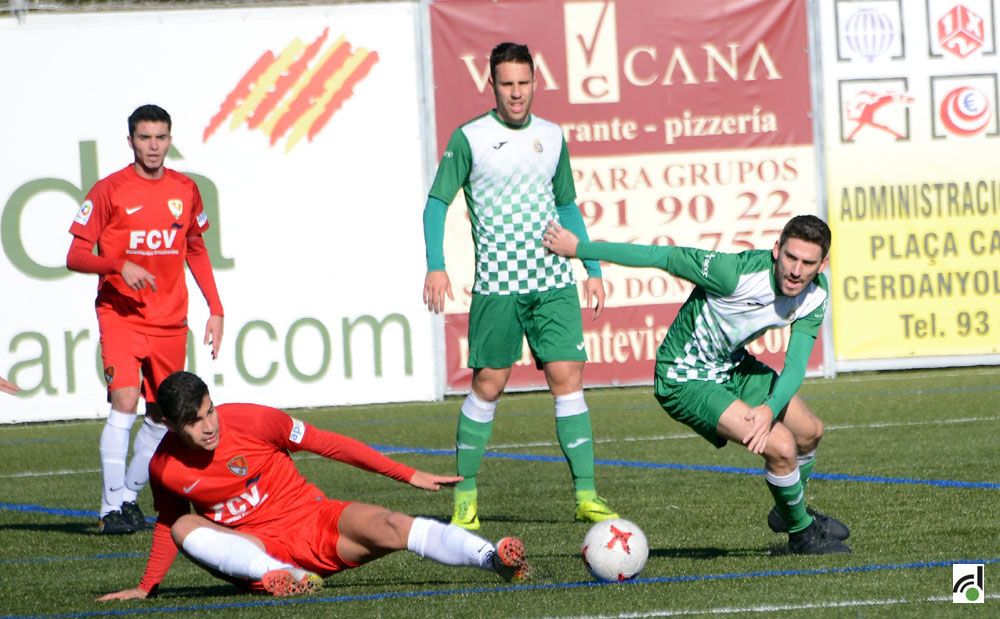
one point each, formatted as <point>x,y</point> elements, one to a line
<point>55,511</point>
<point>704,468</point>
<point>51,511</point>
<point>427,593</point>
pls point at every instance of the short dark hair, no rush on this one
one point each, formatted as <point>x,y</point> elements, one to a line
<point>510,52</point>
<point>148,112</point>
<point>179,398</point>
<point>807,228</point>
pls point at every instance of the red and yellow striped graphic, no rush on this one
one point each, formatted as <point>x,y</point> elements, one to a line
<point>297,92</point>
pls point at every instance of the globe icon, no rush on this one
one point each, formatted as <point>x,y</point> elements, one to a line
<point>869,33</point>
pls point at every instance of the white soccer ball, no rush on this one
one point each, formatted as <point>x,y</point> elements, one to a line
<point>615,550</point>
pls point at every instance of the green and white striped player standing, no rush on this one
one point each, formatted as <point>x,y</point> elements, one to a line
<point>706,379</point>
<point>514,170</point>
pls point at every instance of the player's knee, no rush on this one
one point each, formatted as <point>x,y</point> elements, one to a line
<point>781,451</point>
<point>125,400</point>
<point>183,527</point>
<point>817,435</point>
<point>808,440</point>
<point>488,392</point>
<point>488,383</point>
<point>397,530</point>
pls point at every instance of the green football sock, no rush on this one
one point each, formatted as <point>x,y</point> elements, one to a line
<point>791,504</point>
<point>470,443</point>
<point>806,463</point>
<point>577,442</point>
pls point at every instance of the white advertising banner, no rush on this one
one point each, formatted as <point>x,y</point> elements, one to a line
<point>302,128</point>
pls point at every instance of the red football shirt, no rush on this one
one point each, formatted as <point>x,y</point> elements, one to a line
<point>249,481</point>
<point>146,222</point>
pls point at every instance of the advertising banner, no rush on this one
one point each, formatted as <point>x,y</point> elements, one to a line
<point>914,195</point>
<point>687,124</point>
<point>302,128</point>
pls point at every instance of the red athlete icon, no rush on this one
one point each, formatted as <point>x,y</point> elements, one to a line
<point>867,103</point>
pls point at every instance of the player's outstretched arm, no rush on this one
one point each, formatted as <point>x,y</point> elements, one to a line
<point>559,240</point>
<point>8,387</point>
<point>125,594</point>
<point>432,482</point>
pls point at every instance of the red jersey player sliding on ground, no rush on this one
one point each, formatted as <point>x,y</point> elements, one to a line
<point>259,524</point>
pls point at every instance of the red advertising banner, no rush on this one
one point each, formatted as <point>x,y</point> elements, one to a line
<point>638,76</point>
<point>687,124</point>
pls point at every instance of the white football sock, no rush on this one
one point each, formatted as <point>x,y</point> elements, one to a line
<point>449,544</point>
<point>114,450</point>
<point>146,440</point>
<point>231,554</point>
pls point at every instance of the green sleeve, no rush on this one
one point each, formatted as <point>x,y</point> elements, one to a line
<point>716,272</point>
<point>800,346</point>
<point>453,171</point>
<point>570,218</point>
<point>563,187</point>
<point>434,216</point>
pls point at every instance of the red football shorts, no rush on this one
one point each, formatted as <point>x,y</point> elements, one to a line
<point>310,543</point>
<point>134,359</point>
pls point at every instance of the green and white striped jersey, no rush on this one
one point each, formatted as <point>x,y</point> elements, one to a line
<point>733,303</point>
<point>513,179</point>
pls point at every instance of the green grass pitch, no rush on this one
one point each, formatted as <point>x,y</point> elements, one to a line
<point>909,461</point>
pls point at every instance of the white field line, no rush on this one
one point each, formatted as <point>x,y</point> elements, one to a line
<point>774,608</point>
<point>49,473</point>
<point>889,376</point>
<point>685,435</point>
<point>625,439</point>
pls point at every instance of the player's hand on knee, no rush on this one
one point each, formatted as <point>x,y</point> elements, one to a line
<point>760,427</point>
<point>125,594</point>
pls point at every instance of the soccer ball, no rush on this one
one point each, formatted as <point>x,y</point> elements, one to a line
<point>615,550</point>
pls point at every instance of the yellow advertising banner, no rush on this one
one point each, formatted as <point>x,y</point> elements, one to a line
<point>913,189</point>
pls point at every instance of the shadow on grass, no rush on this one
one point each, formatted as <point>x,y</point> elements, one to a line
<point>70,528</point>
<point>220,590</point>
<point>519,519</point>
<point>707,553</point>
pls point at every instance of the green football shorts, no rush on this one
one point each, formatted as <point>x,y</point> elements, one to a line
<point>551,320</point>
<point>699,404</point>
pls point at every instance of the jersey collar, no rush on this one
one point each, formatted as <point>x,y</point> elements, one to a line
<point>497,118</point>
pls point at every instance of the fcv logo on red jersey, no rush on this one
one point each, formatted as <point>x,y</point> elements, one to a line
<point>238,507</point>
<point>151,239</point>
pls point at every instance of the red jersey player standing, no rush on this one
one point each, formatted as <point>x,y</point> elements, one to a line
<point>260,524</point>
<point>146,221</point>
